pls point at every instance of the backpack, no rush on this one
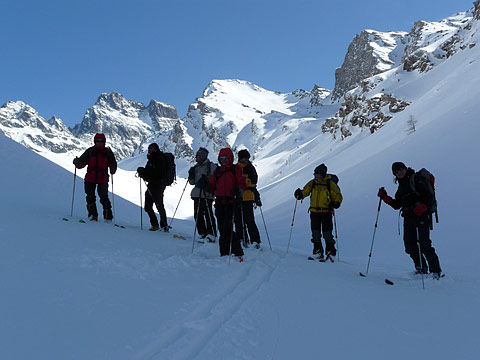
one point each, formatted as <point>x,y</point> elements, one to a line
<point>424,178</point>
<point>170,169</point>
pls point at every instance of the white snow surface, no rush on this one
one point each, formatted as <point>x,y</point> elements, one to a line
<point>71,290</point>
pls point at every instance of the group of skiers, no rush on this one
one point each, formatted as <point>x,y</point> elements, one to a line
<point>233,189</point>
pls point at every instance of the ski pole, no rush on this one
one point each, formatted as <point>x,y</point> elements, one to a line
<point>113,201</point>
<point>231,232</point>
<point>196,219</point>
<point>265,225</point>
<point>336,234</point>
<point>173,217</point>
<point>210,217</point>
<point>291,226</point>
<point>73,193</point>
<point>373,239</point>
<point>141,205</point>
<point>420,256</point>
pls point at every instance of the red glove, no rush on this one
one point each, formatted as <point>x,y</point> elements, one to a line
<point>420,209</point>
<point>382,193</point>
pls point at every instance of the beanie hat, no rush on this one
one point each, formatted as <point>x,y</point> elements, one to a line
<point>202,153</point>
<point>321,170</point>
<point>397,166</point>
<point>99,136</point>
<point>242,154</point>
<point>155,146</point>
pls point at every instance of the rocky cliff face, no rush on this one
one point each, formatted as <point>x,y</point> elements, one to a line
<point>370,53</point>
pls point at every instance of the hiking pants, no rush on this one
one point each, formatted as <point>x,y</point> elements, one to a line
<point>416,230</point>
<point>203,213</point>
<point>102,190</point>
<point>155,195</point>
<point>321,223</point>
<point>224,214</point>
<point>249,227</point>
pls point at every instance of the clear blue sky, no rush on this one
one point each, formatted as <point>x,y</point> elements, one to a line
<point>59,56</point>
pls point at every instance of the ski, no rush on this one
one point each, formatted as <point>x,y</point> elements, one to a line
<point>328,258</point>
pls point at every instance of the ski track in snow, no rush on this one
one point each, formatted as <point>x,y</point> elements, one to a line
<point>191,335</point>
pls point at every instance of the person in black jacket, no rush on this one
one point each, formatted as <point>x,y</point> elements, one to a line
<point>245,225</point>
<point>154,175</point>
<point>416,223</point>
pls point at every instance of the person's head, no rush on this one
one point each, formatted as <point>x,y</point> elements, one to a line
<point>243,156</point>
<point>225,157</point>
<point>152,148</point>
<point>399,169</point>
<point>320,171</point>
<point>201,155</point>
<point>99,139</point>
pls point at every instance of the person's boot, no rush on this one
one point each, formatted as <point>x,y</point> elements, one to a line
<point>92,212</point>
<point>107,214</point>
<point>154,228</point>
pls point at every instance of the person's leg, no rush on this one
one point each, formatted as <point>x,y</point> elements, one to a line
<point>102,190</point>
<point>315,226</point>
<point>249,219</point>
<point>423,225</point>
<point>149,210</point>
<point>91,199</point>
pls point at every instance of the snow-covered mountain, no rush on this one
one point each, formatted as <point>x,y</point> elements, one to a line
<point>370,90</point>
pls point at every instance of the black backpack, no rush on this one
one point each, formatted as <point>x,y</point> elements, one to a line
<point>426,180</point>
<point>170,169</point>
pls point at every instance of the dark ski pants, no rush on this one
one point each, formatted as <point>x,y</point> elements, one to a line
<point>224,214</point>
<point>153,195</point>
<point>249,227</point>
<point>102,190</point>
<point>321,223</point>
<point>416,230</point>
<point>203,213</point>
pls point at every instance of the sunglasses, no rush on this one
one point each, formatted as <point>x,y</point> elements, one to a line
<point>223,158</point>
<point>100,141</point>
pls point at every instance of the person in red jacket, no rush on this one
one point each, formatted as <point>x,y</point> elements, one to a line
<point>99,159</point>
<point>228,184</point>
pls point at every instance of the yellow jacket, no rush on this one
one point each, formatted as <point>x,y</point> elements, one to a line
<point>251,177</point>
<point>320,197</point>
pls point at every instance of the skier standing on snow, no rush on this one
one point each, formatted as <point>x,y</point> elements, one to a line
<point>228,184</point>
<point>324,195</point>
<point>99,159</point>
<point>244,217</point>
<point>416,218</point>
<point>154,174</point>
<point>199,175</point>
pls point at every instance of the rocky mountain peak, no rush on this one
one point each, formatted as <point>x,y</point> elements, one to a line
<point>369,53</point>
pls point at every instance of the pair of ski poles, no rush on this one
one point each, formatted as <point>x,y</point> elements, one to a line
<point>334,221</point>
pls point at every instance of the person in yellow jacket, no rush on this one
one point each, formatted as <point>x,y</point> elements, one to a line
<point>245,225</point>
<point>324,195</point>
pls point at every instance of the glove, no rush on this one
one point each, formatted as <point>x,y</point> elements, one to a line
<point>298,194</point>
<point>256,194</point>
<point>420,209</point>
<point>191,172</point>
<point>76,162</point>
<point>335,204</point>
<point>381,192</point>
<point>141,171</point>
<point>203,182</point>
<point>113,171</point>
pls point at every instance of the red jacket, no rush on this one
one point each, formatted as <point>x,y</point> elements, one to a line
<point>226,177</point>
<point>99,160</point>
